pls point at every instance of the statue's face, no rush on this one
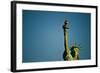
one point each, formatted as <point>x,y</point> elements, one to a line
<point>76,51</point>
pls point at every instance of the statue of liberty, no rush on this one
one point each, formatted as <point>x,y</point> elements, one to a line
<point>69,53</point>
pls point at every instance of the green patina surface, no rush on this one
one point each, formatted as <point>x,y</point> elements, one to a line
<point>73,52</point>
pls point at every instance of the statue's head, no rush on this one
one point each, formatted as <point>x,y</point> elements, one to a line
<point>75,52</point>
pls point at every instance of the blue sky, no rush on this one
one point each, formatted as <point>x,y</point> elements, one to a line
<point>43,38</point>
